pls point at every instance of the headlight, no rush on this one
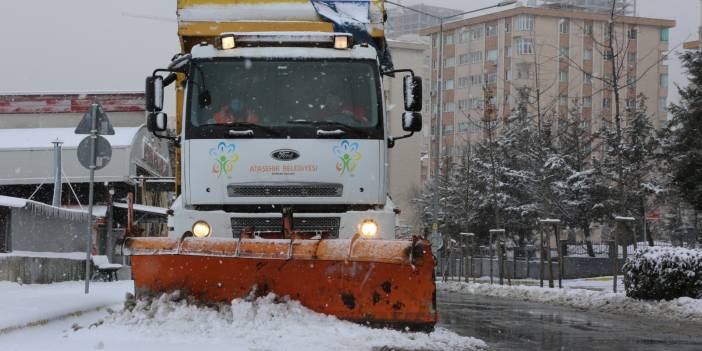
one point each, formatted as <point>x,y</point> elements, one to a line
<point>201,229</point>
<point>369,228</point>
<point>228,42</point>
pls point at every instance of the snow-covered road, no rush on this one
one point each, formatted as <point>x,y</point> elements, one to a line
<point>169,324</point>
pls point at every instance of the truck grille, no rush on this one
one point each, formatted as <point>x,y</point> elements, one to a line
<point>285,190</point>
<point>274,224</point>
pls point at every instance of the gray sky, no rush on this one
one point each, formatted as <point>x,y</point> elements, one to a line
<point>101,45</point>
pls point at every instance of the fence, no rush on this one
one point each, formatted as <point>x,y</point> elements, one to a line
<point>465,262</point>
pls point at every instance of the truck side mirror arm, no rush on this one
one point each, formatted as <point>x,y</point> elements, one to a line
<point>391,139</point>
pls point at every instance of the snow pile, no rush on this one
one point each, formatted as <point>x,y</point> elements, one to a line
<point>663,273</point>
<point>269,323</point>
<point>682,309</point>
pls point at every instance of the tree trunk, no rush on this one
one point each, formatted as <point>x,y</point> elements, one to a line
<point>588,240</point>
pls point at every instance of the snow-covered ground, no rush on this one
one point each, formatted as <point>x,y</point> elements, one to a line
<point>38,303</point>
<point>171,324</point>
<point>681,309</point>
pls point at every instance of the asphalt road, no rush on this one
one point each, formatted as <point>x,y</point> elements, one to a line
<point>517,325</point>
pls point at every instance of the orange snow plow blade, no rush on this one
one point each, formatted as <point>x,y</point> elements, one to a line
<point>375,282</point>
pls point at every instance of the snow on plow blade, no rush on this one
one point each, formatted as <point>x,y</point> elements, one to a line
<point>375,282</point>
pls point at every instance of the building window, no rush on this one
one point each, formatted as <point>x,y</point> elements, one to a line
<point>665,34</point>
<point>448,129</point>
<point>462,82</point>
<point>563,52</point>
<point>476,79</point>
<point>587,101</point>
<point>630,79</point>
<point>449,39</point>
<point>663,104</point>
<point>563,100</point>
<point>664,81</point>
<point>524,71</point>
<point>525,46</point>
<point>508,75</point>
<point>491,56</point>
<point>631,57</point>
<point>463,36</point>
<point>476,33</point>
<point>564,26</point>
<point>563,76</point>
<point>508,25</point>
<point>491,30</point>
<point>449,62</point>
<point>630,103</point>
<point>587,54</point>
<point>476,57</point>
<point>525,23</point>
<point>463,59</point>
<point>448,84</point>
<point>508,51</point>
<point>475,103</point>
<point>606,103</point>
<point>587,28</point>
<point>449,107</point>
<point>632,33</point>
<point>491,78</point>
<point>587,78</point>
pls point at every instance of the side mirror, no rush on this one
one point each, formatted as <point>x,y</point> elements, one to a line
<point>154,93</point>
<point>413,93</point>
<point>157,122</point>
<point>412,122</point>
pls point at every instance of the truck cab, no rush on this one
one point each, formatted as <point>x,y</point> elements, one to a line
<point>278,124</point>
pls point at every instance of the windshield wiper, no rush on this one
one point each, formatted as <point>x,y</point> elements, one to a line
<point>244,124</point>
<point>343,126</point>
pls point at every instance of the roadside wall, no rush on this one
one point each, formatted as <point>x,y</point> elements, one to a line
<point>575,267</point>
<point>40,270</point>
<point>32,230</point>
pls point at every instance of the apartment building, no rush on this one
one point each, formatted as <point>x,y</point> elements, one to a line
<point>559,52</point>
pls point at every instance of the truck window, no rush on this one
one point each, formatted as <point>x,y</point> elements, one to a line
<point>274,93</point>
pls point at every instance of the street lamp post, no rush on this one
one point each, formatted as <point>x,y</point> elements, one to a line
<point>437,125</point>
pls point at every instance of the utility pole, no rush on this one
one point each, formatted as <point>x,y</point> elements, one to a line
<point>56,200</point>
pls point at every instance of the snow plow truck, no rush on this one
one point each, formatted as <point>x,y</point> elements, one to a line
<point>281,139</point>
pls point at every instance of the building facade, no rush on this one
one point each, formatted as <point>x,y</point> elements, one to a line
<point>404,21</point>
<point>404,159</point>
<point>489,59</point>
<point>622,7</point>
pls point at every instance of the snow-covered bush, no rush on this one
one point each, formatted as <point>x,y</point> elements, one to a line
<point>657,273</point>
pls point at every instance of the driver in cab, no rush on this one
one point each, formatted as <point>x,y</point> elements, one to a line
<point>235,112</point>
<point>335,110</point>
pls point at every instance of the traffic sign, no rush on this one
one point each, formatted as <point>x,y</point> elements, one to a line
<point>104,127</point>
<point>103,152</point>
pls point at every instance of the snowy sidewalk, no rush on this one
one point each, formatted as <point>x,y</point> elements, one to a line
<point>681,309</point>
<point>33,304</point>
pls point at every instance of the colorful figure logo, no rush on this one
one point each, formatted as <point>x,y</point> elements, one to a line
<point>348,156</point>
<point>224,157</point>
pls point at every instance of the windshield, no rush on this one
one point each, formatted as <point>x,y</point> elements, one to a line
<point>284,98</point>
